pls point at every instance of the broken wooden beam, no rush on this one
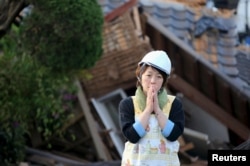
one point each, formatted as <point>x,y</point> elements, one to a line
<point>40,156</point>
<point>120,10</point>
<point>207,105</point>
<point>99,146</point>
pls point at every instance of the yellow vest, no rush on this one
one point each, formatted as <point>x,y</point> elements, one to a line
<point>153,149</point>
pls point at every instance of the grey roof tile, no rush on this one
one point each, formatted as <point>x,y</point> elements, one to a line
<point>226,51</point>
<point>163,11</point>
<point>230,70</point>
<point>227,60</point>
<point>228,41</point>
<point>243,65</point>
<point>221,46</point>
<point>113,4</point>
<point>213,58</point>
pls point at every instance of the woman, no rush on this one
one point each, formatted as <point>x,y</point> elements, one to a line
<point>152,120</point>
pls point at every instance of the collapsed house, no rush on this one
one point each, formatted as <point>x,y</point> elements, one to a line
<point>206,77</point>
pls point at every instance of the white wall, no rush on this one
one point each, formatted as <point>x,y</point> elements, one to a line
<point>241,15</point>
<point>203,122</point>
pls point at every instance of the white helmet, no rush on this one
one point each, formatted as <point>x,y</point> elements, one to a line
<point>158,59</point>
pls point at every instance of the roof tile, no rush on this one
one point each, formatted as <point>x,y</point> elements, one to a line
<point>218,41</point>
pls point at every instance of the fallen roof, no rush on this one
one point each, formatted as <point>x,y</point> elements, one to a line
<point>210,32</point>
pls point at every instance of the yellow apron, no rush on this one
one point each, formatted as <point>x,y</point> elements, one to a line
<point>153,149</point>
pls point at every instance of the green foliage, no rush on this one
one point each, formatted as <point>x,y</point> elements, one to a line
<point>64,34</point>
<point>58,40</point>
<point>9,43</point>
<point>34,98</point>
<point>12,144</point>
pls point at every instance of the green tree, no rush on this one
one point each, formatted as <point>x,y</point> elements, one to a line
<point>64,34</point>
<point>39,64</point>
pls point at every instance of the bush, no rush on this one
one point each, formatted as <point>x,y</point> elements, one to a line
<point>64,35</point>
<point>35,99</point>
<point>12,143</point>
<point>38,68</point>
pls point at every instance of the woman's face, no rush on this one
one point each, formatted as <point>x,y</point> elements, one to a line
<point>151,78</point>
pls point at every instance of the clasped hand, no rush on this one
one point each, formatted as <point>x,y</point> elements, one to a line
<point>152,104</point>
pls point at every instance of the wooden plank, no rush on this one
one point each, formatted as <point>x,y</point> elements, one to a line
<point>187,147</point>
<point>207,83</point>
<point>201,100</point>
<point>241,109</point>
<point>137,21</point>
<point>107,116</point>
<point>176,59</point>
<point>70,157</point>
<point>120,10</point>
<point>52,158</point>
<point>42,160</point>
<point>223,95</point>
<point>190,68</point>
<point>99,146</point>
<point>84,150</point>
<point>23,164</point>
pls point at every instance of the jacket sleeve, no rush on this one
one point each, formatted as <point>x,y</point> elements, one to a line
<point>178,118</point>
<point>127,119</point>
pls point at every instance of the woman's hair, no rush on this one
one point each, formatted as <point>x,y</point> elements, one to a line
<point>141,69</point>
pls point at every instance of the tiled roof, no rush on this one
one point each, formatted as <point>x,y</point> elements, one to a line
<point>213,34</point>
<point>243,65</point>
